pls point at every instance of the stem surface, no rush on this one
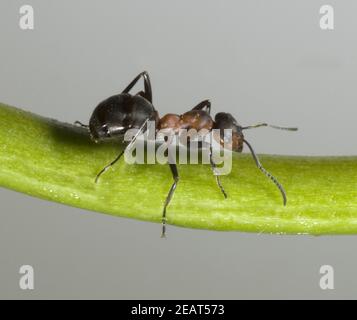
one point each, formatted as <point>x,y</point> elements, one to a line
<point>56,161</point>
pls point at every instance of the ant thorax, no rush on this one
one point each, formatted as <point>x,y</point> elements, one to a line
<point>191,127</point>
<point>194,119</point>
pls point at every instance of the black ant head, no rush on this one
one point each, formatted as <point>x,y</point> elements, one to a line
<point>107,120</point>
<point>233,140</point>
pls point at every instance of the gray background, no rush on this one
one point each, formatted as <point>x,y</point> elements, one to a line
<point>261,60</point>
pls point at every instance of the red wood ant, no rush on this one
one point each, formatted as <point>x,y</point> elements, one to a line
<point>121,112</point>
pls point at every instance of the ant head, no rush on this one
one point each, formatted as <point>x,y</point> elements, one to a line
<point>232,139</point>
<point>107,121</point>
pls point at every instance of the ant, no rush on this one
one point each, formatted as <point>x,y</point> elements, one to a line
<point>121,112</point>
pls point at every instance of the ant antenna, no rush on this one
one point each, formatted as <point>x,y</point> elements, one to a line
<point>271,126</point>
<point>269,175</point>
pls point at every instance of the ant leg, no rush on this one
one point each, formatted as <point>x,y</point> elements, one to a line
<point>141,130</point>
<point>203,104</point>
<point>81,124</point>
<point>147,94</point>
<point>213,166</point>
<point>108,166</point>
<point>176,178</point>
<point>141,93</point>
<point>268,174</point>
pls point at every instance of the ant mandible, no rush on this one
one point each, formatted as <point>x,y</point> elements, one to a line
<point>121,112</point>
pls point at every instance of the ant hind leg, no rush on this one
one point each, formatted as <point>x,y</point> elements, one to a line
<point>147,93</point>
<point>108,166</point>
<point>141,130</point>
<point>78,123</point>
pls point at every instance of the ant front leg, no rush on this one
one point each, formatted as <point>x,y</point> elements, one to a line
<point>203,104</point>
<point>147,93</point>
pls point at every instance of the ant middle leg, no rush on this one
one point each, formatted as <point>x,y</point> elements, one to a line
<point>203,104</point>
<point>147,93</point>
<point>213,166</point>
<point>141,93</point>
<point>174,171</point>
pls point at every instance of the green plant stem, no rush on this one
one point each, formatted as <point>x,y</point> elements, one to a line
<point>56,161</point>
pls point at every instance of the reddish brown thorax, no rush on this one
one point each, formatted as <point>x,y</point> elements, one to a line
<point>198,120</point>
<point>169,121</point>
<point>194,119</point>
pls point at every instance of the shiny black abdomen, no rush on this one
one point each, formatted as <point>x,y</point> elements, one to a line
<point>121,112</point>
